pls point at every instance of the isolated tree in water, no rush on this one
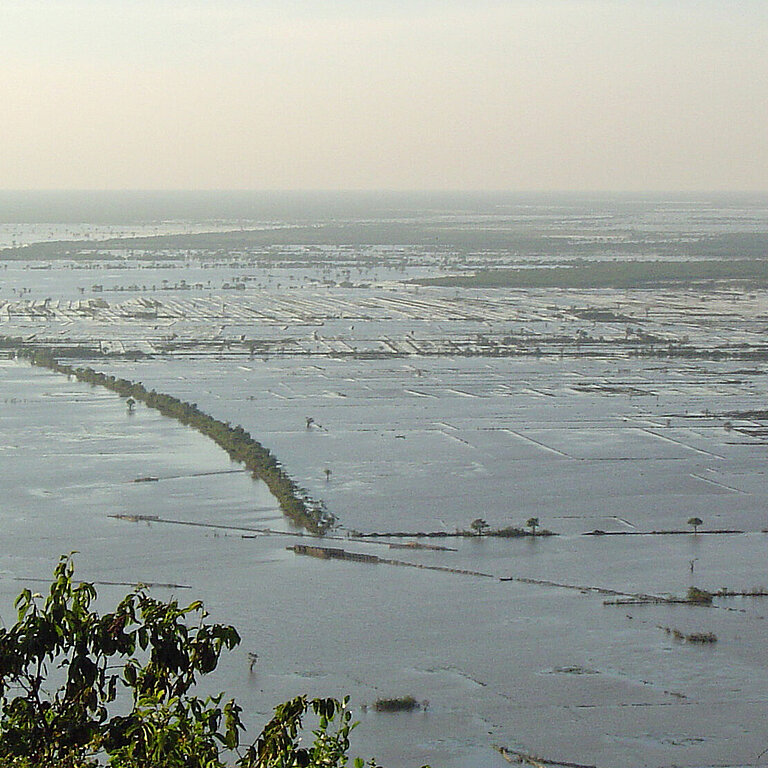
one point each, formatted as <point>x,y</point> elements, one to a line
<point>695,522</point>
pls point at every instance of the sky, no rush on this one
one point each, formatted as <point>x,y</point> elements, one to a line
<point>635,95</point>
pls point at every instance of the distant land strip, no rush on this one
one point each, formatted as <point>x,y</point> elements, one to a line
<point>294,501</point>
<point>612,274</point>
<point>715,532</point>
<point>519,241</point>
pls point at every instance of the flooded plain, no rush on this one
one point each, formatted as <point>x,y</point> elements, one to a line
<point>415,408</point>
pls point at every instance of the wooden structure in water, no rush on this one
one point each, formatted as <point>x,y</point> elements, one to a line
<point>333,553</point>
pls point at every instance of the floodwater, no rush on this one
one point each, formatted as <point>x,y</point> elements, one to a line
<point>419,442</point>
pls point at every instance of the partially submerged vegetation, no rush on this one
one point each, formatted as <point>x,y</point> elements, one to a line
<point>507,532</point>
<point>479,527</point>
<point>702,638</point>
<point>754,592</point>
<point>514,532</point>
<point>694,596</point>
<point>672,532</point>
<point>401,704</point>
<point>699,596</point>
<point>294,501</point>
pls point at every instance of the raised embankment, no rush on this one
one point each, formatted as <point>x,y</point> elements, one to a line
<point>241,447</point>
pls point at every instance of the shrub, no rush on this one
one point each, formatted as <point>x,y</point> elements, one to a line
<point>700,596</point>
<point>403,704</point>
<point>154,651</point>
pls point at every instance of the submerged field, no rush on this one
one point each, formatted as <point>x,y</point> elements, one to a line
<point>411,408</point>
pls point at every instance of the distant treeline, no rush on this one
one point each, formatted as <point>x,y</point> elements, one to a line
<point>613,274</point>
<point>294,501</point>
<point>520,240</point>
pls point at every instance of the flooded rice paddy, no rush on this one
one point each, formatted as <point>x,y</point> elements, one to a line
<point>424,426</point>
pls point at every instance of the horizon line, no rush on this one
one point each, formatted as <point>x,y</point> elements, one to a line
<point>374,190</point>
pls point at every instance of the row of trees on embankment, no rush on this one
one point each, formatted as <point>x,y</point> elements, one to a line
<point>294,501</point>
<point>478,527</point>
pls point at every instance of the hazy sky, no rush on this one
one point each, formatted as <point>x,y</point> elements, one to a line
<point>375,94</point>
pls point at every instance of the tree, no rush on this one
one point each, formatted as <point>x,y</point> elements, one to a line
<point>533,524</point>
<point>695,522</point>
<point>155,651</point>
<point>479,526</point>
<point>131,403</point>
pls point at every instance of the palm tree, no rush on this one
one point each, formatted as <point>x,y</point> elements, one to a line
<point>131,403</point>
<point>695,522</point>
<point>533,524</point>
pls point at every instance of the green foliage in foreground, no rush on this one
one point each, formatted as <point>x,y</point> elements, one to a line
<point>79,689</point>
